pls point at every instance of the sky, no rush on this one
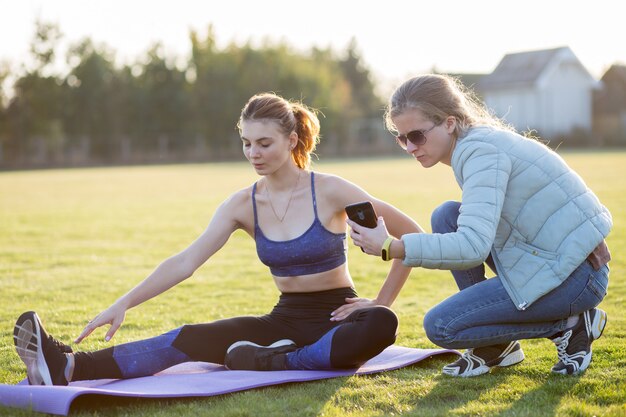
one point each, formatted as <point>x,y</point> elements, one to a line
<point>396,38</point>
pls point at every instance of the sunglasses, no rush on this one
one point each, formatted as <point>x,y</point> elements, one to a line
<point>416,137</point>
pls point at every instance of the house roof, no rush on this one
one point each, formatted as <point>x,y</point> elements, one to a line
<point>611,99</point>
<point>521,69</point>
<point>616,72</point>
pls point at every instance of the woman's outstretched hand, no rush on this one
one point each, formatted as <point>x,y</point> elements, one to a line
<point>113,315</point>
<point>369,240</point>
<point>353,304</point>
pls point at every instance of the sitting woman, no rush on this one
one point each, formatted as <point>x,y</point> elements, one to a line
<point>297,220</point>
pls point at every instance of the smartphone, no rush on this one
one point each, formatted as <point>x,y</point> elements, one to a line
<point>363,213</point>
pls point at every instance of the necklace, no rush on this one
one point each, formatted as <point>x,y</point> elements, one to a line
<point>269,197</point>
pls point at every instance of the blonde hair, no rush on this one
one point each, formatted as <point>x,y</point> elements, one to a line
<point>437,97</point>
<point>291,116</point>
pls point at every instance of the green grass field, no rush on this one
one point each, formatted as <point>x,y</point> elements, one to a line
<point>72,241</point>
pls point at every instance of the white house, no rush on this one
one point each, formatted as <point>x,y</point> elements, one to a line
<point>549,91</point>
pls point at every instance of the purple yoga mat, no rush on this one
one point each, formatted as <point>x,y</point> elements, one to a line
<point>193,379</point>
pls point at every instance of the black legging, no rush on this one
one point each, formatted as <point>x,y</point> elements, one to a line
<point>301,317</point>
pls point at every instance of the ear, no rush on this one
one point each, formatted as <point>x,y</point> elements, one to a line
<point>293,140</point>
<point>450,124</point>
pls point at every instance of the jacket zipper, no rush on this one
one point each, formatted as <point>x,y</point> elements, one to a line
<point>521,303</point>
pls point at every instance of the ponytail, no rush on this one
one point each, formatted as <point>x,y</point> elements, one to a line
<point>308,129</point>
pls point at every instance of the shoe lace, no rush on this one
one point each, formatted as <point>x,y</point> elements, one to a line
<point>561,346</point>
<point>59,345</point>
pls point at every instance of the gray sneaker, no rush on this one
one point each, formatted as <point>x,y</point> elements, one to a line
<point>573,345</point>
<point>481,360</point>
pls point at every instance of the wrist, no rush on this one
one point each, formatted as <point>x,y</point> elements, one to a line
<point>379,302</point>
<point>396,249</point>
<point>122,303</point>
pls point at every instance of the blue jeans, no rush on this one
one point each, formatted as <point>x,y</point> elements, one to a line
<point>483,314</point>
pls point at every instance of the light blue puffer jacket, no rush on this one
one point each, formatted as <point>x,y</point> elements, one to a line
<point>522,203</point>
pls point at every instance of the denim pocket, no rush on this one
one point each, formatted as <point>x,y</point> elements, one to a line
<point>598,282</point>
<point>594,292</point>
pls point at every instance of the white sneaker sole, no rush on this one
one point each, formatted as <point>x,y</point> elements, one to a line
<point>282,342</point>
<point>36,366</point>
<point>511,359</point>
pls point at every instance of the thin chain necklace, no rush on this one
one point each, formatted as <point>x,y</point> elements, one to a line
<point>269,197</point>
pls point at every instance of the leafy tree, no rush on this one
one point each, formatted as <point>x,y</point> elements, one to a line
<point>162,99</point>
<point>360,80</point>
<point>5,71</point>
<point>43,46</point>
<point>152,105</point>
<point>214,93</point>
<point>91,110</point>
<point>35,109</point>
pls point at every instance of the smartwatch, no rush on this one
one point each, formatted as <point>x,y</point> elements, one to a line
<point>385,254</point>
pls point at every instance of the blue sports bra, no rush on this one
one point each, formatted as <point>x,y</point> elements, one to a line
<point>316,250</point>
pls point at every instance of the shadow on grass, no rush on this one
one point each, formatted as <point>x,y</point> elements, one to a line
<point>545,397</point>
<point>452,393</point>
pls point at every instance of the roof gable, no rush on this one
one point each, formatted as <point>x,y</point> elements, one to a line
<point>615,74</point>
<point>524,69</point>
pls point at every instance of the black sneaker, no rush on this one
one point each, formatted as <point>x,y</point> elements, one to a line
<point>573,346</point>
<point>481,360</point>
<point>245,355</point>
<point>43,355</point>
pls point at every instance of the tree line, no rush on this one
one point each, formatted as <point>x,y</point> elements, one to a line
<point>155,109</point>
